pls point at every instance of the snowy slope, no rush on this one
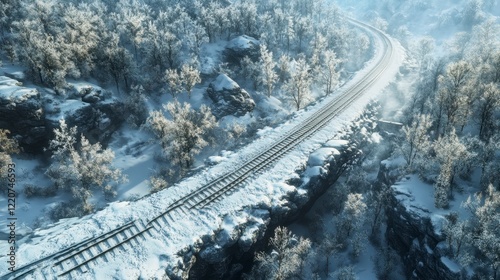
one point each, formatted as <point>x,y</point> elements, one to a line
<point>149,257</point>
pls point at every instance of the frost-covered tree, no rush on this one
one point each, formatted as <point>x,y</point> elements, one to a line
<point>451,153</point>
<point>117,62</point>
<point>416,139</point>
<point>344,273</point>
<point>327,72</point>
<point>190,76</point>
<point>488,162</point>
<point>302,28</point>
<point>423,51</point>
<point>8,146</point>
<point>457,234</point>
<point>183,136</point>
<point>489,101</point>
<point>297,88</point>
<point>455,87</point>
<point>352,217</point>
<point>284,68</point>
<point>251,70</point>
<point>268,76</point>
<point>485,208</point>
<point>285,258</point>
<point>80,166</point>
<point>174,82</point>
<point>136,106</point>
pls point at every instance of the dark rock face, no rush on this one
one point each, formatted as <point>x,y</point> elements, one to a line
<point>96,121</point>
<point>21,112</point>
<point>229,98</point>
<point>225,253</point>
<point>240,47</point>
<point>31,119</point>
<point>413,236</point>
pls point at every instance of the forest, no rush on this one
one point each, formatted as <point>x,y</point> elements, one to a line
<point>164,62</point>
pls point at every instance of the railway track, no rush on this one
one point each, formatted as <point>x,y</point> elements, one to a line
<point>80,256</point>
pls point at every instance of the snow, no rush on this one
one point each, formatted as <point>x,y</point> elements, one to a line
<point>321,155</point>
<point>418,198</point>
<point>224,82</point>
<point>58,110</point>
<point>242,42</point>
<point>143,258</point>
<point>213,160</point>
<point>336,143</point>
<point>210,56</point>
<point>12,90</point>
<point>452,266</point>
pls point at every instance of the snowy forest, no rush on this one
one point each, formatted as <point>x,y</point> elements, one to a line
<point>109,101</point>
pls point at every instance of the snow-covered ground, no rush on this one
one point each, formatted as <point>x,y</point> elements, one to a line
<point>151,256</point>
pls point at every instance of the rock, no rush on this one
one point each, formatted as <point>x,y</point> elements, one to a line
<point>229,98</point>
<point>97,121</point>
<point>412,232</point>
<point>228,251</point>
<point>92,94</point>
<point>240,47</point>
<point>88,107</point>
<point>21,112</point>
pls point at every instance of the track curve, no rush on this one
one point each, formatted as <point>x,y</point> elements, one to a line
<point>79,256</point>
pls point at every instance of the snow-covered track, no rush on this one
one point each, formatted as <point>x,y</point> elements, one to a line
<point>226,184</point>
<point>80,256</point>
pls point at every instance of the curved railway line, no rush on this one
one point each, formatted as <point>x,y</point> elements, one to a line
<point>80,256</point>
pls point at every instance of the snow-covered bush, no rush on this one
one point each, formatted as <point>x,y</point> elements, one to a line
<point>285,258</point>
<point>184,135</point>
<point>135,106</point>
<point>8,146</point>
<point>351,219</point>
<point>157,184</point>
<point>80,166</point>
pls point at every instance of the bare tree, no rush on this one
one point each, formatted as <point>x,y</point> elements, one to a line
<point>455,84</point>
<point>268,76</point>
<point>190,76</point>
<point>297,87</point>
<point>416,139</point>
<point>285,259</point>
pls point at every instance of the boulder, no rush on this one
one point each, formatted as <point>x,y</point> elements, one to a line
<point>88,107</point>
<point>97,121</point>
<point>229,98</point>
<point>21,112</point>
<point>92,94</point>
<point>240,47</point>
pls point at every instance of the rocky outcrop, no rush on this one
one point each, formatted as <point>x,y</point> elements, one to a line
<point>31,116</point>
<point>227,252</point>
<point>97,121</point>
<point>229,98</point>
<point>240,47</point>
<point>414,233</point>
<point>21,112</point>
